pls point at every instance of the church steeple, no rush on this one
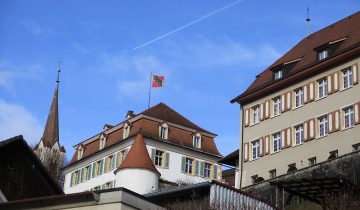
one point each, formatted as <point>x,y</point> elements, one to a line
<point>51,131</point>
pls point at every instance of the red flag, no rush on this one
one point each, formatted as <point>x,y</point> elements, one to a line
<point>157,81</point>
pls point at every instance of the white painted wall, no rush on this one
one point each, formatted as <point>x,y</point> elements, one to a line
<point>141,181</point>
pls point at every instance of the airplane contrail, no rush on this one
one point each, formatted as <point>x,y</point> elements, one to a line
<point>189,24</point>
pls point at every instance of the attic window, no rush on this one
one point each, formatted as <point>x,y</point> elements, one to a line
<point>278,74</point>
<point>126,131</point>
<point>197,141</point>
<point>80,153</point>
<point>102,141</point>
<point>163,131</point>
<point>322,54</point>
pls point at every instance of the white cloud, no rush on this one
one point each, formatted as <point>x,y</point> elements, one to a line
<point>15,119</point>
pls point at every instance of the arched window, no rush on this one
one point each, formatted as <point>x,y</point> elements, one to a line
<point>197,140</point>
<point>126,130</point>
<point>80,152</point>
<point>102,141</point>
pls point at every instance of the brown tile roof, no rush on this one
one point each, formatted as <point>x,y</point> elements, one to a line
<point>150,129</point>
<point>230,159</point>
<point>305,50</point>
<point>138,157</point>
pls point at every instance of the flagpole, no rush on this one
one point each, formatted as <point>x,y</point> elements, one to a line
<point>150,89</point>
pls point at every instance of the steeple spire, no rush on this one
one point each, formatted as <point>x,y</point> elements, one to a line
<point>51,131</point>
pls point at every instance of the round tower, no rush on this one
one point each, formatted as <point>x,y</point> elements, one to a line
<point>137,172</point>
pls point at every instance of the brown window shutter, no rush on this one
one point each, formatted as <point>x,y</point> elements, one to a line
<point>337,120</point>
<point>331,122</point>
<point>246,152</point>
<point>283,102</point>
<point>312,129</point>
<point>311,91</point>
<point>283,139</point>
<point>306,131</point>
<point>267,109</point>
<point>355,74</point>
<point>262,146</point>
<point>289,137</point>
<point>306,94</point>
<point>247,117</point>
<point>267,144</point>
<point>262,112</point>
<point>289,100</point>
<point>357,113</point>
<point>336,82</point>
<point>330,84</point>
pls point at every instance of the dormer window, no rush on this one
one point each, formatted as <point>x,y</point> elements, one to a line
<point>322,54</point>
<point>126,130</point>
<point>197,140</point>
<point>163,131</point>
<point>80,153</point>
<point>102,141</point>
<point>278,74</point>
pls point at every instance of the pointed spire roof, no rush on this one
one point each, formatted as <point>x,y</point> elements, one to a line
<point>138,157</point>
<point>51,131</point>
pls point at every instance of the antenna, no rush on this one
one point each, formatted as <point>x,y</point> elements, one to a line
<point>58,75</point>
<point>308,21</point>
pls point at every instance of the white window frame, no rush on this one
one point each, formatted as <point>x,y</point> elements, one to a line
<point>348,116</point>
<point>189,165</point>
<point>126,131</point>
<point>347,78</point>
<point>276,106</point>
<point>299,97</point>
<point>323,54</point>
<point>299,134</point>
<point>163,131</point>
<point>278,74</point>
<point>197,141</point>
<point>159,157</point>
<point>255,149</point>
<point>323,126</point>
<point>207,169</point>
<point>322,88</point>
<point>276,142</point>
<point>256,114</point>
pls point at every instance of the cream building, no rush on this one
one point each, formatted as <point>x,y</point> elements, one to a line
<point>304,108</point>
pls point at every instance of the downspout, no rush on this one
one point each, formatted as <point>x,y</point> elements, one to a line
<point>241,149</point>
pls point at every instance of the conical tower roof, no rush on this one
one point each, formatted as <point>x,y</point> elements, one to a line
<point>138,157</point>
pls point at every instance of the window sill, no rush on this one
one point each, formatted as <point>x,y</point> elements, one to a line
<point>318,99</point>
<point>344,129</point>
<point>298,107</point>
<point>273,153</point>
<point>343,89</point>
<point>320,137</point>
<point>273,116</point>
<point>298,144</point>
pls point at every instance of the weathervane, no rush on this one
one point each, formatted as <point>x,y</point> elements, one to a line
<point>58,75</point>
<point>308,21</point>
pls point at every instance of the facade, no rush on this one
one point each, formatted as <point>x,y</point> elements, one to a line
<point>22,175</point>
<point>304,108</point>
<point>181,151</point>
<point>49,150</point>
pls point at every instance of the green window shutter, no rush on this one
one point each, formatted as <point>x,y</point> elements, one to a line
<point>215,172</point>
<point>167,156</point>
<point>153,155</point>
<point>89,172</point>
<point>93,170</point>
<point>126,153</point>
<point>117,159</point>
<point>197,167</point>
<point>113,162</point>
<point>202,167</point>
<point>183,164</point>
<point>101,166</point>
<point>72,179</point>
<point>78,177</point>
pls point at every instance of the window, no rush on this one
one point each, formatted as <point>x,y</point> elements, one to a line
<point>276,106</point>
<point>323,126</point>
<point>356,147</point>
<point>126,131</point>
<point>323,54</point>
<point>197,141</point>
<point>188,165</point>
<point>80,153</point>
<point>299,97</point>
<point>277,142</point>
<point>272,173</point>
<point>159,157</point>
<point>291,167</point>
<point>102,141</point>
<point>333,154</point>
<point>86,173</point>
<point>164,131</point>
<point>299,134</point>
<point>278,74</point>
<point>347,78</point>
<point>312,161</point>
<point>256,149</point>
<point>348,117</point>
<point>207,169</point>
<point>256,114</point>
<point>254,178</point>
<point>322,88</point>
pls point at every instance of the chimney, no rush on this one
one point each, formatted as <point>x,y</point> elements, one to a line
<point>130,114</point>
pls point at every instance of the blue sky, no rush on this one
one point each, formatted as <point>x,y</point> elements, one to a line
<point>208,51</point>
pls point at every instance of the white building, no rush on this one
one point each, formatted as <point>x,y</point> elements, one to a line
<point>181,151</point>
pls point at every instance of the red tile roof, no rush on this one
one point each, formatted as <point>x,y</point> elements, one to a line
<point>348,28</point>
<point>138,157</point>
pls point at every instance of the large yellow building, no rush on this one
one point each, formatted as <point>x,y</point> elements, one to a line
<point>304,108</point>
